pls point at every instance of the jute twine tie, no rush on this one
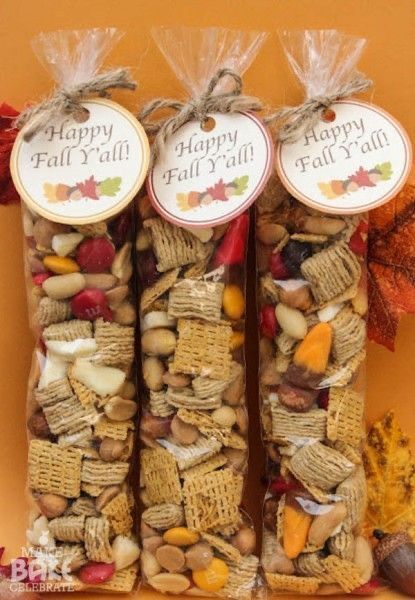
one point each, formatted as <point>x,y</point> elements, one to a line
<point>297,120</point>
<point>67,101</point>
<point>195,109</point>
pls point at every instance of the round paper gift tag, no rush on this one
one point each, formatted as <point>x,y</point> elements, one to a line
<point>206,176</point>
<point>357,161</point>
<point>82,172</point>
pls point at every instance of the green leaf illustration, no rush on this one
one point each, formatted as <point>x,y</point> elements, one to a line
<point>110,186</point>
<point>241,183</point>
<point>385,170</point>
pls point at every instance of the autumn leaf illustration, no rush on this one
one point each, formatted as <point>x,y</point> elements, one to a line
<point>391,265</point>
<point>385,170</point>
<point>361,177</point>
<point>217,191</point>
<point>110,186</point>
<point>88,188</point>
<point>240,183</point>
<point>390,472</point>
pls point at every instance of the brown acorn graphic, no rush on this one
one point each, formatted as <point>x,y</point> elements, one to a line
<point>395,555</point>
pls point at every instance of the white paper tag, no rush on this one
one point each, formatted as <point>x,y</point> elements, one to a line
<point>358,161</point>
<point>204,178</point>
<point>85,172</point>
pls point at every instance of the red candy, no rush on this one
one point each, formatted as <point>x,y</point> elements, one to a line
<point>95,255</point>
<point>268,321</point>
<point>281,486</point>
<point>95,572</point>
<point>90,305</point>
<point>231,250</point>
<point>368,589</point>
<point>357,244</point>
<point>277,266</point>
<point>39,278</point>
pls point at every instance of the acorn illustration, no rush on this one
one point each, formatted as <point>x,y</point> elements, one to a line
<point>395,555</point>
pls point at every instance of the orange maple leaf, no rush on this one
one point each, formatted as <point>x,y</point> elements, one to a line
<point>391,265</point>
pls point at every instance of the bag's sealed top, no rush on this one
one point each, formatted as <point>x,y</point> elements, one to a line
<point>79,159</point>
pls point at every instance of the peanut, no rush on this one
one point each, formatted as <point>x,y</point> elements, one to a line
<point>122,266</point>
<point>153,370</point>
<point>169,583</point>
<point>143,241</point>
<point>60,287</point>
<point>146,531</point>
<point>52,505</point>
<point>292,321</point>
<point>101,281</point>
<point>183,433</point>
<point>116,295</point>
<point>275,561</point>
<point>124,314</point>
<point>199,556</point>
<point>149,565</point>
<point>323,225</point>
<point>170,558</point>
<point>145,208</point>
<point>44,230</point>
<point>152,543</point>
<point>296,297</point>
<point>110,449</point>
<point>244,540</point>
<point>224,416</point>
<point>242,419</point>
<point>176,380</point>
<point>232,395</point>
<point>236,458</point>
<point>120,409</point>
<point>270,233</point>
<point>158,342</point>
<point>323,525</point>
<point>106,496</point>
<point>363,558</point>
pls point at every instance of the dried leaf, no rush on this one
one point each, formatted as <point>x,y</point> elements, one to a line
<point>8,194</point>
<point>391,266</point>
<point>390,471</point>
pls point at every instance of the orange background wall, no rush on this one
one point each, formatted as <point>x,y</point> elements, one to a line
<point>389,59</point>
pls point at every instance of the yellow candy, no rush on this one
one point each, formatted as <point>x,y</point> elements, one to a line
<point>213,578</point>
<point>61,265</point>
<point>237,340</point>
<point>233,302</point>
<point>180,536</point>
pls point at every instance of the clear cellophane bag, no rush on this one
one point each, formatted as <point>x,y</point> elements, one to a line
<point>194,426</point>
<point>81,408</point>
<point>312,302</point>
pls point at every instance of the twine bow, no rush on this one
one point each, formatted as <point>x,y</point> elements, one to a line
<point>297,120</point>
<point>195,109</point>
<point>67,101</point>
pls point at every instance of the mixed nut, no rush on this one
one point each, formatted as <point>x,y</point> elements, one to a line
<point>82,400</point>
<point>194,424</point>
<point>312,306</point>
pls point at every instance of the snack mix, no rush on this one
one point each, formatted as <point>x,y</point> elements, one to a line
<point>82,399</point>
<point>194,423</point>
<point>312,306</point>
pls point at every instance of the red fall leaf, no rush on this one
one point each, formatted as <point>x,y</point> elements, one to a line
<point>391,265</point>
<point>217,191</point>
<point>361,177</point>
<point>8,194</point>
<point>88,188</point>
